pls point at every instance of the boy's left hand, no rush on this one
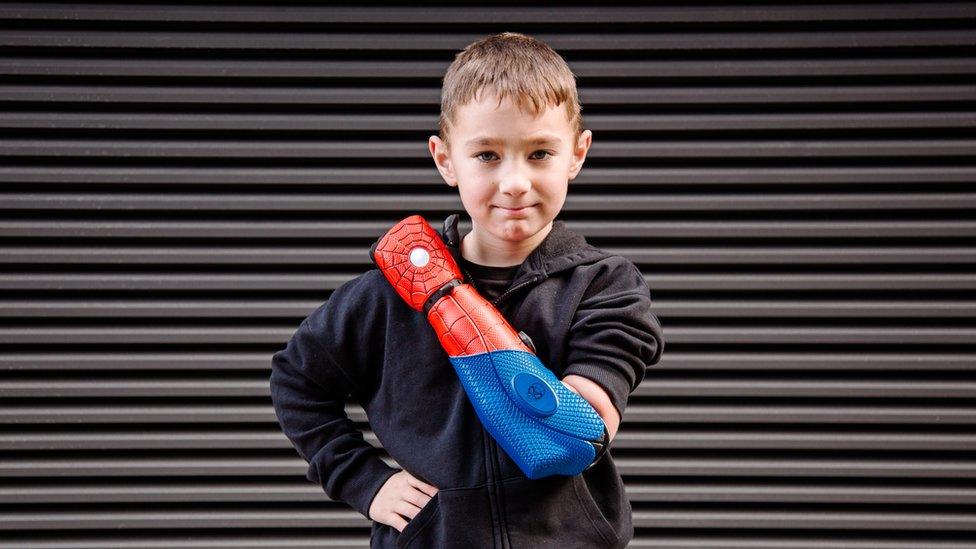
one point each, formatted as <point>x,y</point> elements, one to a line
<point>598,399</point>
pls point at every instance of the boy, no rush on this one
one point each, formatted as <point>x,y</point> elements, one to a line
<point>510,140</point>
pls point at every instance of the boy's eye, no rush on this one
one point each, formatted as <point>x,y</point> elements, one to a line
<point>544,152</point>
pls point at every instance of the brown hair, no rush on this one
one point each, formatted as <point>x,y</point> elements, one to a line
<point>510,64</point>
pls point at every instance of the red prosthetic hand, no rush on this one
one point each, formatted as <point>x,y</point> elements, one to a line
<point>544,427</point>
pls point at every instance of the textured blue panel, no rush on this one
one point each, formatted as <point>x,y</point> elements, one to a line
<point>541,446</point>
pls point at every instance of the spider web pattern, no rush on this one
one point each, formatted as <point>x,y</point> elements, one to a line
<point>467,324</point>
<point>392,255</point>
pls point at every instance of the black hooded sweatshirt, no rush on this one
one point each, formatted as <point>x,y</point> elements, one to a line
<point>588,312</point>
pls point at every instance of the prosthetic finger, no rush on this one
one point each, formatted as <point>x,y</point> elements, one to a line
<point>544,427</point>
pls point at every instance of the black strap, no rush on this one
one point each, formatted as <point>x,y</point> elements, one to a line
<point>600,447</point>
<point>443,291</point>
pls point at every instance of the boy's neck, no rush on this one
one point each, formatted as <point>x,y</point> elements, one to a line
<point>484,249</point>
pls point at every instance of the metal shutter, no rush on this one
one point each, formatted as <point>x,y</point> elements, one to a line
<point>182,184</point>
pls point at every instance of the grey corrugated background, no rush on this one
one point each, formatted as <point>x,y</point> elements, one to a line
<point>181,184</point>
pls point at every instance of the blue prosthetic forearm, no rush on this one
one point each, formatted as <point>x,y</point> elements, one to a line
<point>544,427</point>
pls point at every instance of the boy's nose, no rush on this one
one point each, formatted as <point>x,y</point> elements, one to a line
<point>514,183</point>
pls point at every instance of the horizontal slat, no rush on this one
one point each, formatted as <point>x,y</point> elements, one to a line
<point>765,388</point>
<point>393,122</point>
<point>133,361</point>
<point>157,439</point>
<point>838,540</point>
<point>158,540</point>
<point>744,439</point>
<point>801,282</point>
<point>250,230</point>
<point>169,519</point>
<point>653,386</point>
<point>271,281</point>
<point>144,386</point>
<point>645,177</point>
<point>271,438</point>
<point>284,229</point>
<point>673,361</point>
<point>322,282</point>
<point>239,490</point>
<point>821,492</point>
<point>865,466</point>
<point>228,414</point>
<point>644,97</point>
<point>779,413</point>
<point>931,308</point>
<point>445,42</point>
<point>281,308</point>
<point>348,204</point>
<point>809,361</point>
<point>75,466</point>
<point>482,15</point>
<point>821,519</point>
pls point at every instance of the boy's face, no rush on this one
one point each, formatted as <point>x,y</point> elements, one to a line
<point>511,186</point>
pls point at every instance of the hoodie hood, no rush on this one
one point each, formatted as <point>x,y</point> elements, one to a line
<point>561,249</point>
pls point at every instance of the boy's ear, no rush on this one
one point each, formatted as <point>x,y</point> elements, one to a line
<point>582,146</point>
<point>442,159</point>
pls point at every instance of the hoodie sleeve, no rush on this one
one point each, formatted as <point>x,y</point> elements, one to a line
<point>614,336</point>
<point>309,390</point>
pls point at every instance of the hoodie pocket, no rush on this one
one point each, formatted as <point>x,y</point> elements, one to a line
<point>419,522</point>
<point>454,518</point>
<point>555,511</point>
<point>593,512</point>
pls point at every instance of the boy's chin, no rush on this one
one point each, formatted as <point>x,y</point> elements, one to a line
<point>510,228</point>
<point>517,230</point>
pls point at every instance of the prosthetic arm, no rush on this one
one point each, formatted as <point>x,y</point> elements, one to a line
<point>543,426</point>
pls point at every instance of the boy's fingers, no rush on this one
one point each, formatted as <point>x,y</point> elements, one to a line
<point>397,522</point>
<point>417,498</point>
<point>421,485</point>
<point>406,509</point>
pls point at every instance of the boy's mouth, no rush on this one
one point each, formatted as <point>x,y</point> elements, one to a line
<point>515,210</point>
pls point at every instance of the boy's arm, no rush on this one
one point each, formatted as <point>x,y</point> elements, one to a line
<point>308,391</point>
<point>612,338</point>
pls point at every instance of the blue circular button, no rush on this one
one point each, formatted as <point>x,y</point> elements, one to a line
<point>536,397</point>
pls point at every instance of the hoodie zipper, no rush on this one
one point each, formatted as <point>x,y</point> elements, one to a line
<point>506,293</point>
<point>499,487</point>
<point>497,502</point>
<point>513,289</point>
<point>501,533</point>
